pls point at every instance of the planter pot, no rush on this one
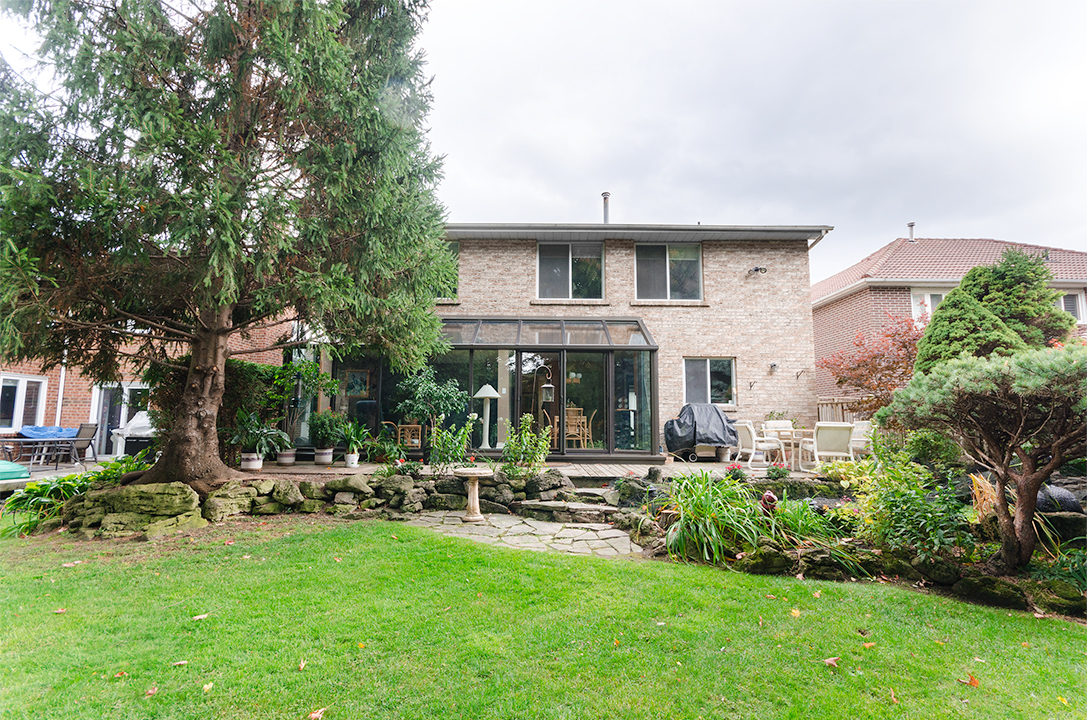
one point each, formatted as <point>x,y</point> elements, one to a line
<point>322,456</point>
<point>252,461</point>
<point>286,457</point>
<point>351,460</point>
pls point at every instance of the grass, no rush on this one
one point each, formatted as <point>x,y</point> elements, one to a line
<point>399,622</point>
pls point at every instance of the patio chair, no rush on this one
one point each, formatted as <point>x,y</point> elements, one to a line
<point>862,437</point>
<point>84,439</point>
<point>830,440</point>
<point>752,443</point>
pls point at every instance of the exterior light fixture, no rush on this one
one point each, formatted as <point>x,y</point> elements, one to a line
<point>757,269</point>
<point>773,367</point>
<point>547,390</point>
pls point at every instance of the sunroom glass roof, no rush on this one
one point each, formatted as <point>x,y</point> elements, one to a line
<point>537,332</point>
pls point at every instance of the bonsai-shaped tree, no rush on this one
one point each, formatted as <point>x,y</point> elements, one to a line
<point>1022,417</point>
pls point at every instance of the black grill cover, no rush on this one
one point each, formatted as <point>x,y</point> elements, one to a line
<point>699,424</point>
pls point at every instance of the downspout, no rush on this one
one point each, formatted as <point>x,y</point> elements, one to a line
<point>60,390</point>
<point>822,235</point>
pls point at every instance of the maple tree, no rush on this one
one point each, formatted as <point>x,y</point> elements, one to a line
<point>876,368</point>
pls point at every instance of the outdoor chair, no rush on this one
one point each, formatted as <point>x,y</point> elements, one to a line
<point>830,440</point>
<point>862,437</point>
<point>752,443</point>
<point>83,440</point>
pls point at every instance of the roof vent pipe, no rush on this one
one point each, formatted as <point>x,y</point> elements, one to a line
<point>605,196</point>
<point>910,226</point>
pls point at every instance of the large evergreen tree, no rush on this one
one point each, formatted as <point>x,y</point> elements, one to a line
<point>962,325</point>
<point>214,168</point>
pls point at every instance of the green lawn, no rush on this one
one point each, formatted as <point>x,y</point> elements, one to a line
<point>398,622</point>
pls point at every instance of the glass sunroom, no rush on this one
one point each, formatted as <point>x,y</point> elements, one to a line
<point>592,381</point>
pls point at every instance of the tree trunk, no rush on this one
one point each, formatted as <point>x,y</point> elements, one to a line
<point>1017,536</point>
<point>190,453</point>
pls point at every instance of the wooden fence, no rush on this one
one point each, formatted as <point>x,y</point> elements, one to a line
<point>837,410</point>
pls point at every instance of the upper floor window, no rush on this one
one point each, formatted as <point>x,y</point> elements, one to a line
<point>709,380</point>
<point>669,272</point>
<point>571,270</point>
<point>22,402</point>
<point>1073,303</point>
<point>925,302</point>
<point>454,250</point>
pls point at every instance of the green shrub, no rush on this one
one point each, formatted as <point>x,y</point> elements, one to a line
<point>525,450</point>
<point>904,508</point>
<point>846,472</point>
<point>449,448</point>
<point>325,428</point>
<point>1070,565</point>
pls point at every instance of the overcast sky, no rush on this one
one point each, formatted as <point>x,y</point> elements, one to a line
<point>968,118</point>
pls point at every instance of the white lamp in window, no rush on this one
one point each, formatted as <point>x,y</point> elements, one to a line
<point>486,394</point>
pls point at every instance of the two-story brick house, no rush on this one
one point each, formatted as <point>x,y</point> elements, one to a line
<point>909,277</point>
<point>604,331</point>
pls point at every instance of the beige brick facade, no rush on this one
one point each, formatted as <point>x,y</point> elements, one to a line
<point>755,318</point>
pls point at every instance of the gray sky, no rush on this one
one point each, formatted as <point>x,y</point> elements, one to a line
<point>968,118</point>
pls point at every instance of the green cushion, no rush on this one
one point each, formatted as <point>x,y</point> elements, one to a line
<point>12,471</point>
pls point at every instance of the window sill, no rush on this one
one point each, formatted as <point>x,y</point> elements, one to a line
<point>566,301</point>
<point>671,303</point>
<point>447,301</point>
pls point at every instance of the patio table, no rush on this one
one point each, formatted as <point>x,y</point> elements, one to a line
<point>791,439</point>
<point>39,451</point>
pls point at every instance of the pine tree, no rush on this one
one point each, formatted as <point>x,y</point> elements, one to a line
<point>961,326</point>
<point>205,170</point>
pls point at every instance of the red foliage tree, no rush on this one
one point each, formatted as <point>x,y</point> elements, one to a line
<point>875,368</point>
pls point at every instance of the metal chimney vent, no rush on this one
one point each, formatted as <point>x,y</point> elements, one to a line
<point>605,195</point>
<point>910,226</point>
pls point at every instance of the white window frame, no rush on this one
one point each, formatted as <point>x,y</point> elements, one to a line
<point>569,270</point>
<point>707,361</point>
<point>18,420</point>
<point>1081,316</point>
<point>921,300</point>
<point>668,271</point>
<point>98,397</point>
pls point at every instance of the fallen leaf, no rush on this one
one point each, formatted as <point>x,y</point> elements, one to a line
<point>58,611</point>
<point>1026,644</point>
<point>980,660</point>
<point>179,663</point>
<point>317,714</point>
<point>794,612</point>
<point>209,686</point>
<point>832,661</point>
<point>200,617</point>
<point>800,576</point>
<point>395,537</point>
<point>616,642</point>
<point>772,597</point>
<point>938,642</point>
<point>1062,700</point>
<point>816,594</point>
<point>893,698</point>
<point>121,674</point>
<point>151,691</point>
<point>337,559</point>
<point>246,557</point>
<point>228,542</point>
<point>760,620</point>
<point>72,564</point>
<point>362,645</point>
<point>868,645</point>
<point>972,682</point>
<point>302,665</point>
<point>1039,615</point>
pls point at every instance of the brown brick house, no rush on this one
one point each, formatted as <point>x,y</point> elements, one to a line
<point>604,331</point>
<point>909,278</point>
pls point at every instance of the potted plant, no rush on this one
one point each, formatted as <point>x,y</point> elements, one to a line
<point>324,431</point>
<point>354,436</point>
<point>256,439</point>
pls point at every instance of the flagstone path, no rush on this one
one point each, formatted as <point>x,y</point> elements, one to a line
<point>520,533</point>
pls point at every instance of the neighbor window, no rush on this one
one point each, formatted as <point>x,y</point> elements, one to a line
<point>22,402</point>
<point>925,302</point>
<point>571,271</point>
<point>1070,303</point>
<point>669,272</point>
<point>454,250</point>
<point>709,380</point>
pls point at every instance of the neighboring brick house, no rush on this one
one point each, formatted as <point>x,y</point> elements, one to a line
<point>909,278</point>
<point>605,331</point>
<point>62,396</point>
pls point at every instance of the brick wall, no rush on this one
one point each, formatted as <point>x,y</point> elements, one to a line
<point>836,324</point>
<point>758,319</point>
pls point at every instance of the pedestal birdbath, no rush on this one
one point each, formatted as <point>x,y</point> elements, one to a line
<point>471,476</point>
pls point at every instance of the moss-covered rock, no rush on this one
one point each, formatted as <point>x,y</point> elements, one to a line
<point>991,591</point>
<point>765,560</point>
<point>1057,596</point>
<point>937,570</point>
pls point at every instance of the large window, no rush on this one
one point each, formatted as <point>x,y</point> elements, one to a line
<point>571,271</point>
<point>669,272</point>
<point>709,380</point>
<point>22,402</point>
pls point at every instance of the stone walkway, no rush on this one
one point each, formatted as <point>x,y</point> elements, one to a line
<point>521,533</point>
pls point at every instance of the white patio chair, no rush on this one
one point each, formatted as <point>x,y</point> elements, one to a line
<point>751,444</point>
<point>829,440</point>
<point>862,437</point>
